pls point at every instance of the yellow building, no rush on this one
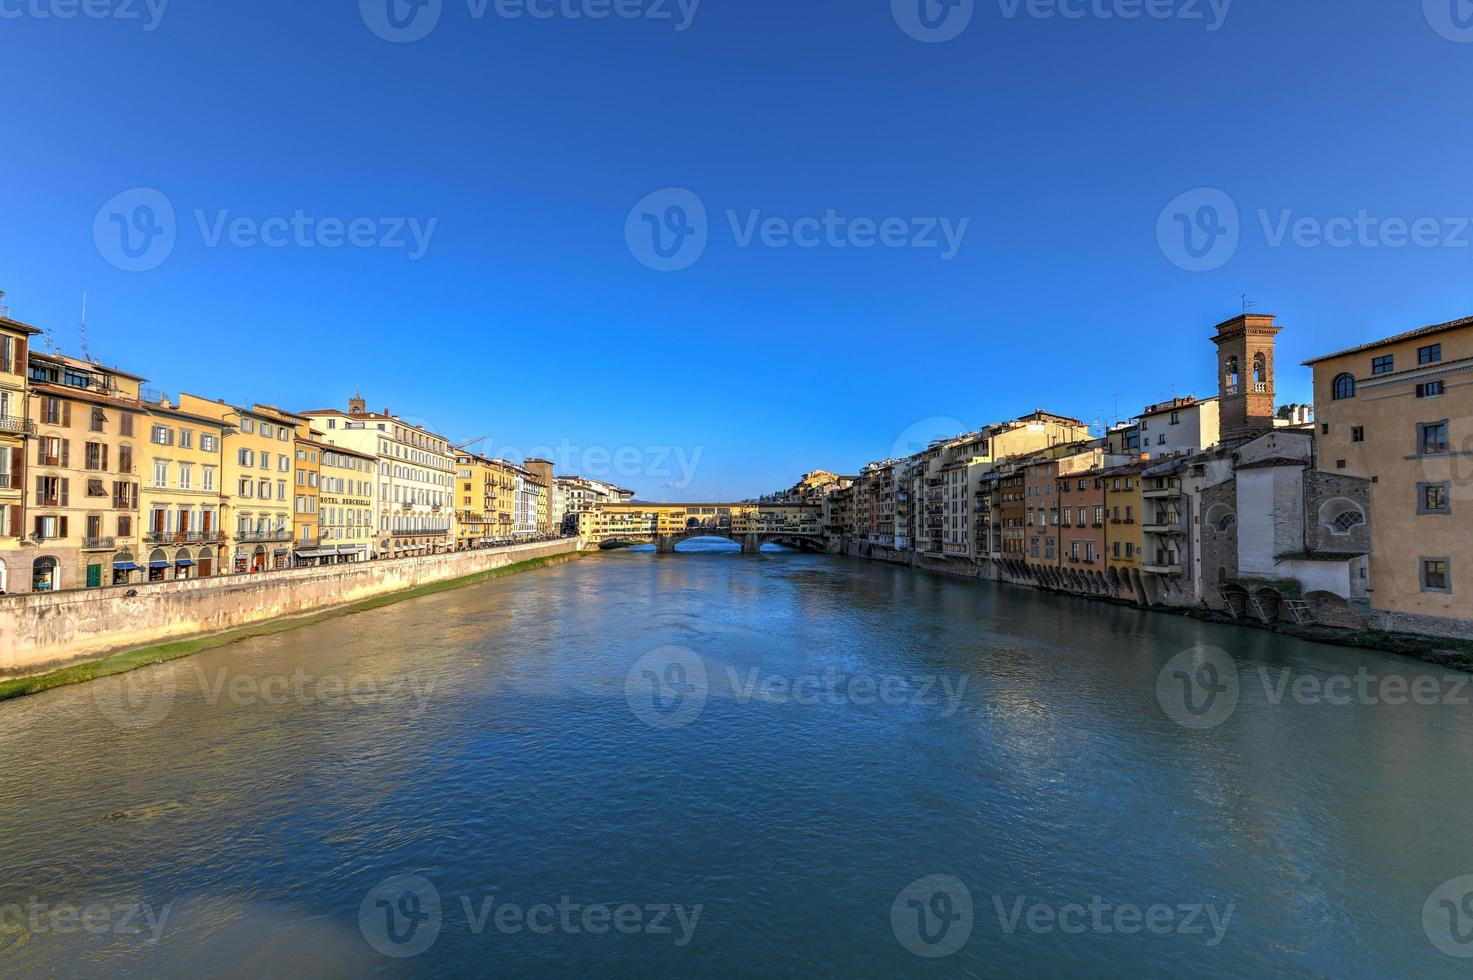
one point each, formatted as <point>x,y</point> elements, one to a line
<point>81,480</point>
<point>1399,411</point>
<point>257,457</point>
<point>345,503</point>
<point>306,518</point>
<point>1124,505</point>
<point>181,476</point>
<point>478,485</point>
<point>14,427</point>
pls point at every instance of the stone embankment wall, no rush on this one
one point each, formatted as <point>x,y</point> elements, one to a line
<point>42,631</point>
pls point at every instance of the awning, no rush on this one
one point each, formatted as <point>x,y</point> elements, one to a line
<point>184,563</point>
<point>315,552</point>
<point>158,564</point>
<point>124,566</point>
<point>281,551</point>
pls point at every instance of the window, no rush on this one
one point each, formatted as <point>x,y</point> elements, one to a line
<point>207,478</point>
<point>1358,433</point>
<point>266,430</point>
<point>1431,389</point>
<point>125,423</point>
<point>209,444</point>
<point>161,435</point>
<point>1435,575</point>
<point>1347,521</point>
<point>186,476</point>
<point>247,426</point>
<point>1384,364</point>
<point>1344,387</point>
<point>1430,354</point>
<point>1432,498</point>
<point>1339,464</point>
<point>99,422</point>
<point>186,439</point>
<point>1432,438</point>
<point>160,472</point>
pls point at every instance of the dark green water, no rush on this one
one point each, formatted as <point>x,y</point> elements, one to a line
<point>714,765</point>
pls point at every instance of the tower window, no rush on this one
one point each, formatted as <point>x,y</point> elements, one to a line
<point>1344,387</point>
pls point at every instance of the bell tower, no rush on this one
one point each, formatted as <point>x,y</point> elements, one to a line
<point>1245,375</point>
<point>356,404</point>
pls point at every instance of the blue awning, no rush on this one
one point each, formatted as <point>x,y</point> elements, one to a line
<point>158,564</point>
<point>184,563</point>
<point>124,566</point>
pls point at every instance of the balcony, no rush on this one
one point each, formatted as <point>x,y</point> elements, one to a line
<point>1160,493</point>
<point>99,544</point>
<point>16,426</point>
<point>251,536</point>
<point>185,537</point>
<point>1163,566</point>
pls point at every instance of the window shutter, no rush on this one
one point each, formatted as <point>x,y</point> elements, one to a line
<point>41,451</point>
<point>104,457</point>
<point>61,527</point>
<point>15,525</point>
<point>66,452</point>
<point>40,526</point>
<point>40,491</point>
<point>65,492</point>
<point>66,415</point>
<point>17,463</point>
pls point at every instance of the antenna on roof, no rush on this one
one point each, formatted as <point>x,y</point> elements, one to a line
<point>4,310</point>
<point>82,329</point>
<point>1248,304</point>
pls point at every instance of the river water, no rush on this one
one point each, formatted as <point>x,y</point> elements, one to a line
<point>708,764</point>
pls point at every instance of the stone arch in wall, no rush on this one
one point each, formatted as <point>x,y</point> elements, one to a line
<point>1341,516</point>
<point>1220,518</point>
<point>45,574</point>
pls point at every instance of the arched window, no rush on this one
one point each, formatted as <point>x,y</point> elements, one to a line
<point>4,579</point>
<point>1221,518</point>
<point>1344,387</point>
<point>1341,516</point>
<point>44,575</point>
<point>1232,372</point>
<point>1260,368</point>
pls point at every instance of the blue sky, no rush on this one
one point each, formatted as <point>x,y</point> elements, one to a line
<point>520,146</point>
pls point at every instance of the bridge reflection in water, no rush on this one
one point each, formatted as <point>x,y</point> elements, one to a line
<point>666,525</point>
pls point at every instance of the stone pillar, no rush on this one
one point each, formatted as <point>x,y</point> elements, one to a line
<point>665,544</point>
<point>751,544</point>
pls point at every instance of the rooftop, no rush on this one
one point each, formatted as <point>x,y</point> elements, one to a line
<point>1428,331</point>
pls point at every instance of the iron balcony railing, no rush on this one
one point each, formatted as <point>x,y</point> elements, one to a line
<point>15,425</point>
<point>185,537</point>
<point>252,535</point>
<point>98,544</point>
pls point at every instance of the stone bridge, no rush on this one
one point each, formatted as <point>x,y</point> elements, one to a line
<point>666,525</point>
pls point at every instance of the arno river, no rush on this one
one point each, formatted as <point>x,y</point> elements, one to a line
<point>714,765</point>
